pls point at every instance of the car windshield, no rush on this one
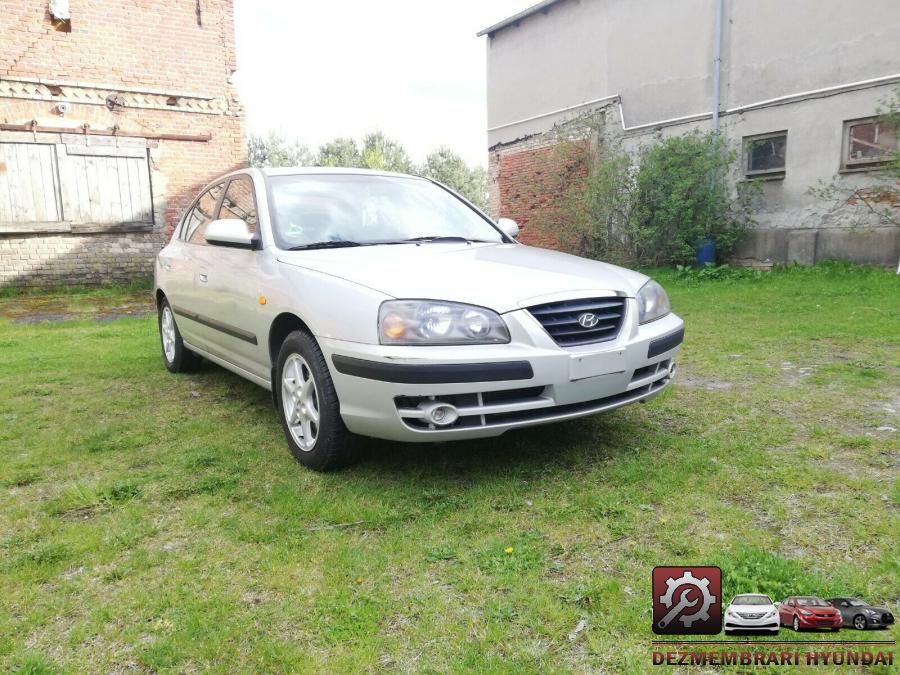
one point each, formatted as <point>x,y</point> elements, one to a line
<point>856,603</point>
<point>751,600</point>
<point>811,602</point>
<point>325,210</point>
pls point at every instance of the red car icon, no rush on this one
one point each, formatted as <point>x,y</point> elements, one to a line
<point>803,612</point>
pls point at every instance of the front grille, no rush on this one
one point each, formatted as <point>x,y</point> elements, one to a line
<point>745,615</point>
<point>825,622</point>
<point>561,320</point>
<point>887,617</point>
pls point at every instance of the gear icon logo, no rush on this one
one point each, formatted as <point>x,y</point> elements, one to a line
<point>687,600</point>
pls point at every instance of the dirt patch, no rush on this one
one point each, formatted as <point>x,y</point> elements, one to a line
<point>28,309</point>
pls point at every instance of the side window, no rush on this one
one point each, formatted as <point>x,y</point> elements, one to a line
<point>240,202</point>
<point>202,214</point>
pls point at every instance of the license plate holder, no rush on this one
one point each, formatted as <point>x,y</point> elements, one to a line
<point>582,366</point>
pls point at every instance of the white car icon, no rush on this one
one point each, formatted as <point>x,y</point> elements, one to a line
<point>751,612</point>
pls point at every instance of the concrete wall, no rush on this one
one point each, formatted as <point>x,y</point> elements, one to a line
<point>168,64</point>
<point>657,57</point>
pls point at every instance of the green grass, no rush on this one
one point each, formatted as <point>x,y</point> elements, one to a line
<point>158,522</point>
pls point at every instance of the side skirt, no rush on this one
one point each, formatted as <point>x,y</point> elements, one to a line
<point>237,370</point>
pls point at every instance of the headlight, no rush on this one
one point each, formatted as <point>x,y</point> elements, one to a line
<point>871,611</point>
<point>652,301</point>
<point>432,322</point>
<point>771,614</point>
<point>805,612</point>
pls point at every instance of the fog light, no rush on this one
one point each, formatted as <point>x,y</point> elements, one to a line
<point>438,413</point>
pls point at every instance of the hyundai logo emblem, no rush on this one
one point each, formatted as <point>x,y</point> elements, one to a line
<point>588,320</point>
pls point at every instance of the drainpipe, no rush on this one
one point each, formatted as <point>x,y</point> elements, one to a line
<point>717,66</point>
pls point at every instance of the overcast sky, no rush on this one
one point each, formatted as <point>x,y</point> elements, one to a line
<point>316,69</point>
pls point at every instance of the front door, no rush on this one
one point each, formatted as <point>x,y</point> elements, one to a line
<point>228,280</point>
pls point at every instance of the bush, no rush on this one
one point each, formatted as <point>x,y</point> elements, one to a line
<point>656,210</point>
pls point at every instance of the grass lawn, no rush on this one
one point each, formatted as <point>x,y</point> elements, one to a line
<point>158,523</point>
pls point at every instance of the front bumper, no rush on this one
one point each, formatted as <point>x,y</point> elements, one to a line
<point>736,622</point>
<point>820,622</point>
<point>385,391</point>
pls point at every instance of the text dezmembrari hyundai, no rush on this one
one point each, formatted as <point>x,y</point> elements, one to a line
<point>387,305</point>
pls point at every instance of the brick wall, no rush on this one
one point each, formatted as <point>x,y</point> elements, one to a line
<point>529,182</point>
<point>167,63</point>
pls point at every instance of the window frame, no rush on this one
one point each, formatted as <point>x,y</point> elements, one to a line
<point>868,163</point>
<point>183,234</point>
<point>765,174</point>
<point>242,176</point>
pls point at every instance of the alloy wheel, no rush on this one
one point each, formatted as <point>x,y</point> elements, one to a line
<point>167,331</point>
<point>796,624</point>
<point>859,623</point>
<point>300,401</point>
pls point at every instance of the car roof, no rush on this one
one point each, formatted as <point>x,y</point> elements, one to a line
<point>331,170</point>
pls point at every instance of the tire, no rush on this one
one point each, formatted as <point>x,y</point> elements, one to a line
<point>796,624</point>
<point>311,413</point>
<point>859,622</point>
<point>176,357</point>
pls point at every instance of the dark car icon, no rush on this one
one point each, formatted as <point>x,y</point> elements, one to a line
<point>861,615</point>
<point>804,611</point>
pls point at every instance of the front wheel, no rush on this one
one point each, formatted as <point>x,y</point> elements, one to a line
<point>309,408</point>
<point>859,622</point>
<point>796,625</point>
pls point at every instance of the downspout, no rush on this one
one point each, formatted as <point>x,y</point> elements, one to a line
<point>717,66</point>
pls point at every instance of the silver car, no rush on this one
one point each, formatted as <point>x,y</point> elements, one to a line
<point>387,305</point>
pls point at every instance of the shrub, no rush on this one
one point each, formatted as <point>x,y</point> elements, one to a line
<point>655,209</point>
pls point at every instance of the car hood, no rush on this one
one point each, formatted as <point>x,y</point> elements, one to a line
<point>502,277</point>
<point>820,611</point>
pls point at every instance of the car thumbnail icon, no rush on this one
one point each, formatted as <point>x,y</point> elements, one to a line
<point>751,612</point>
<point>803,612</point>
<point>687,600</point>
<point>861,615</point>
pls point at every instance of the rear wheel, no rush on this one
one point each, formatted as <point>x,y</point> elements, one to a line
<point>309,408</point>
<point>176,356</point>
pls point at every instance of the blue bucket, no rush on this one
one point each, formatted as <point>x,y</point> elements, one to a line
<point>706,252</point>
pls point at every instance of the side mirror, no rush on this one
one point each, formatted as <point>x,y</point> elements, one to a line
<point>232,232</point>
<point>778,604</point>
<point>509,227</point>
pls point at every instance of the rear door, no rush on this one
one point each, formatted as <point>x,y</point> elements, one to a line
<point>188,267</point>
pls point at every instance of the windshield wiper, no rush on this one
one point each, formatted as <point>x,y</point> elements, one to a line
<point>338,243</point>
<point>436,237</point>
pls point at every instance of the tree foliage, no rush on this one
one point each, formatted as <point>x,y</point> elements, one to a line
<point>377,151</point>
<point>275,150</point>
<point>339,152</point>
<point>447,167</point>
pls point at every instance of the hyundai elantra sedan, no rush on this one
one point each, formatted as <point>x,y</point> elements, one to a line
<point>803,612</point>
<point>751,612</point>
<point>387,305</point>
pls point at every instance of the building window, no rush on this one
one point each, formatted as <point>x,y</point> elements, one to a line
<point>867,142</point>
<point>764,155</point>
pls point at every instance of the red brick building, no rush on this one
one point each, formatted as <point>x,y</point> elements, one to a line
<point>112,115</point>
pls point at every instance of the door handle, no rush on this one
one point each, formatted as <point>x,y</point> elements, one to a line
<point>202,278</point>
